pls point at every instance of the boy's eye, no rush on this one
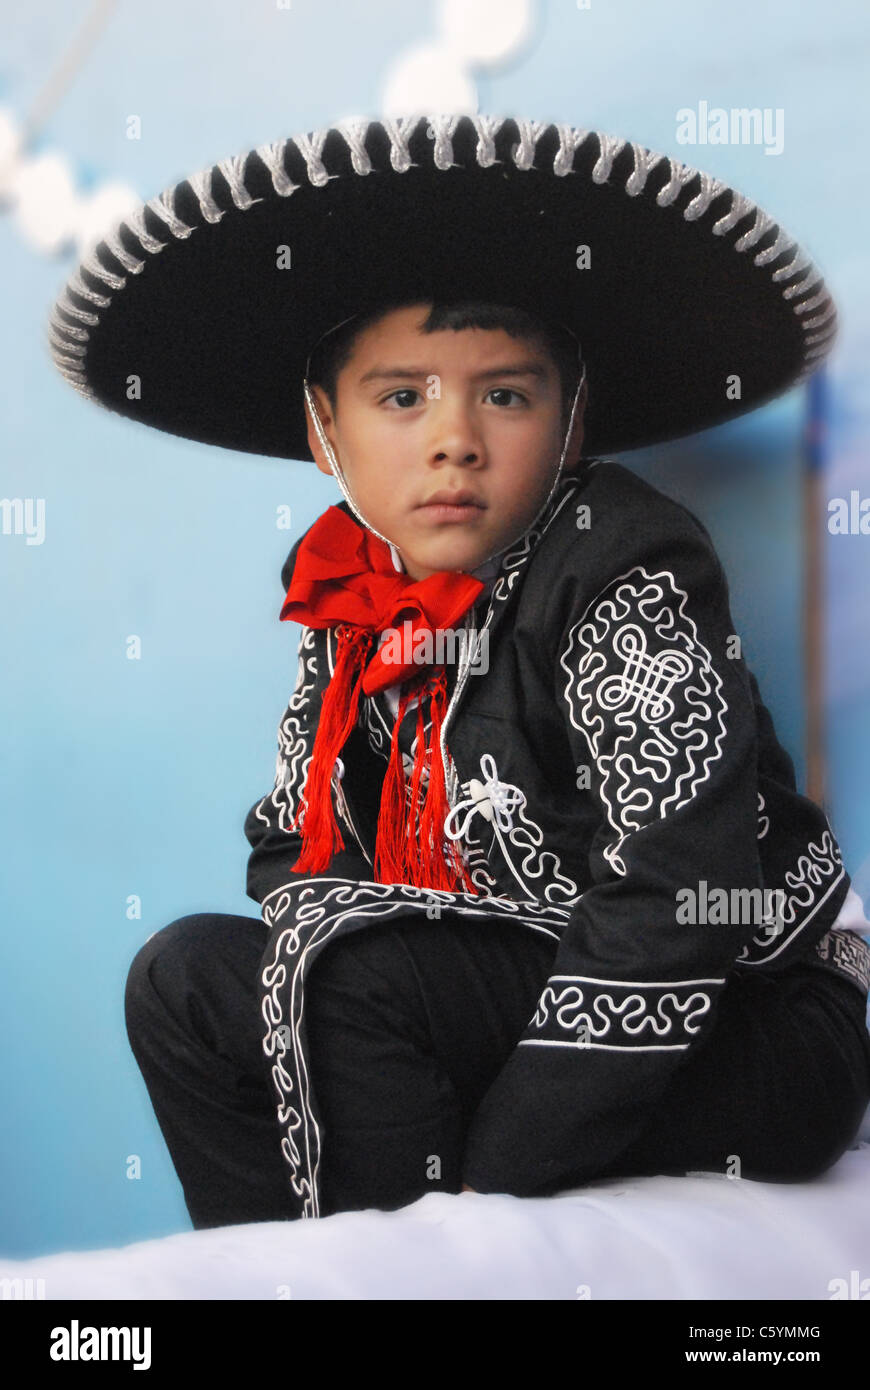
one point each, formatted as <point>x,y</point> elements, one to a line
<point>409,391</point>
<point>505,391</point>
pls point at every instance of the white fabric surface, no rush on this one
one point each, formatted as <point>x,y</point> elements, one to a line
<point>851,915</point>
<point>699,1236</point>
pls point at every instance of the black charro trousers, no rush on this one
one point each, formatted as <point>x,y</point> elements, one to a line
<point>407,1028</point>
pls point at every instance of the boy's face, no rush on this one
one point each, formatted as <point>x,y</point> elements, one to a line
<point>472,415</point>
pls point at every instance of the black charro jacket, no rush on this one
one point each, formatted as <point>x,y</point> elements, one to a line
<point>611,769</point>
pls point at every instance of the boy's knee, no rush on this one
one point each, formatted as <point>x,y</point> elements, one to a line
<point>167,946</point>
<point>809,1157</point>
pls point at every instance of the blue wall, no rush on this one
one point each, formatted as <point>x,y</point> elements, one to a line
<point>133,777</point>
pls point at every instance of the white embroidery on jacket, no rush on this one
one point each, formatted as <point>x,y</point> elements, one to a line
<point>640,677</point>
<point>319,909</point>
<point>822,863</point>
<point>498,803</point>
<point>293,758</point>
<point>628,1013</point>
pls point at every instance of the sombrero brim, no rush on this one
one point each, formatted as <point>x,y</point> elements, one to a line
<point>197,314</point>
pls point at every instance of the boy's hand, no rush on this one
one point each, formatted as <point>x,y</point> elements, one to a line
<point>466,1188</point>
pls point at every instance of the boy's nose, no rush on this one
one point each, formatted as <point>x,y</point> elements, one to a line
<point>455,434</point>
<point>465,460</point>
<point>455,439</point>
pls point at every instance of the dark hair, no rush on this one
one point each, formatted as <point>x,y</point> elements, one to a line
<point>334,352</point>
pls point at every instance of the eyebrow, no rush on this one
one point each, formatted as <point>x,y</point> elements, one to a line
<point>508,369</point>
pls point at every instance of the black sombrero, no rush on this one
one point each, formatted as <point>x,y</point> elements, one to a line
<point>213,294</point>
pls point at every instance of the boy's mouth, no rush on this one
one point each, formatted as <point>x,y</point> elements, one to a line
<point>452,505</point>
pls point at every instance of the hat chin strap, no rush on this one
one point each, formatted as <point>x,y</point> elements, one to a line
<point>342,481</point>
<point>394,549</point>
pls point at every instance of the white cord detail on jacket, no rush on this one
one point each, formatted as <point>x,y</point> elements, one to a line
<point>494,800</point>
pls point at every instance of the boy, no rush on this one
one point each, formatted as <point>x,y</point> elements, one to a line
<point>555,910</point>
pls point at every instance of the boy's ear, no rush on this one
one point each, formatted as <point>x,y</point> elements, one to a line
<point>321,401</point>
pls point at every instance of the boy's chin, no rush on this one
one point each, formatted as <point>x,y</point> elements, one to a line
<point>465,558</point>
<point>465,555</point>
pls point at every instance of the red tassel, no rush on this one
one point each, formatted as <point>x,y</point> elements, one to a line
<point>410,845</point>
<point>410,841</point>
<point>390,846</point>
<point>417,854</point>
<point>443,861</point>
<point>321,837</point>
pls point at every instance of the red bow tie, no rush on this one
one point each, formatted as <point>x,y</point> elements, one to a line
<point>344,578</point>
<point>345,575</point>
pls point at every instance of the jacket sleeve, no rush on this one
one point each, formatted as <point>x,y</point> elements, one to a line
<point>658,708</point>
